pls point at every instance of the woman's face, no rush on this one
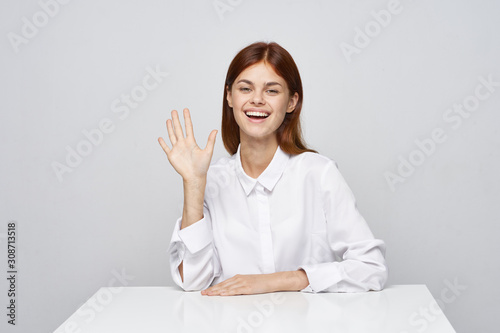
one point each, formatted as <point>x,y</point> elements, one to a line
<point>260,100</point>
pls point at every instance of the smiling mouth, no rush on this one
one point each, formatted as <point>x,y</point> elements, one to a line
<point>256,114</point>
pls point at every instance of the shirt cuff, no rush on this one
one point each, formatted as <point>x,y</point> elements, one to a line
<point>307,289</point>
<point>195,237</point>
<point>321,277</point>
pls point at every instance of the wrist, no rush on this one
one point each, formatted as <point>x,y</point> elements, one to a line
<point>301,279</point>
<point>194,193</point>
<point>291,280</point>
<point>194,181</point>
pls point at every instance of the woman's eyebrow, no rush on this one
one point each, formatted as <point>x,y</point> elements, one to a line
<point>251,83</point>
<point>245,81</point>
<point>272,84</point>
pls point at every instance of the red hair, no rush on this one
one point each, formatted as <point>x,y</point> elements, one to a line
<point>289,134</point>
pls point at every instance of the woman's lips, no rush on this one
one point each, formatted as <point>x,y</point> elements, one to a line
<point>256,116</point>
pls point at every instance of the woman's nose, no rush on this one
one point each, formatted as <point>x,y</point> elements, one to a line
<point>257,98</point>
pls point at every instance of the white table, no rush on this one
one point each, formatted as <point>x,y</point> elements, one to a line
<point>398,309</point>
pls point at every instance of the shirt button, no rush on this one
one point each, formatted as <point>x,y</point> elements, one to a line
<point>260,190</point>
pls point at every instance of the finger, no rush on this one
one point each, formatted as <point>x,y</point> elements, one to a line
<point>209,292</point>
<point>214,290</point>
<point>227,287</point>
<point>165,147</point>
<point>171,133</point>
<point>177,125</point>
<point>220,292</point>
<point>232,290</point>
<point>188,123</point>
<point>211,142</point>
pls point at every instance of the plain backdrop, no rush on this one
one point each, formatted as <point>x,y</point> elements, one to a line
<point>375,90</point>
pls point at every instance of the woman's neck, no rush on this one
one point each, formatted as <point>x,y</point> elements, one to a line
<point>257,154</point>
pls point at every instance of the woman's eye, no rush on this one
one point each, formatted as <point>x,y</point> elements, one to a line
<point>245,89</point>
<point>272,91</point>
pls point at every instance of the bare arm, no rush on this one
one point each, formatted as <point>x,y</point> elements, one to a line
<point>260,283</point>
<point>194,192</point>
<point>192,163</point>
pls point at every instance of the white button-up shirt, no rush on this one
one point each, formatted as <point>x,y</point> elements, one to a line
<point>299,213</point>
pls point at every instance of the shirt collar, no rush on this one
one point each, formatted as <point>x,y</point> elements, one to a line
<point>269,177</point>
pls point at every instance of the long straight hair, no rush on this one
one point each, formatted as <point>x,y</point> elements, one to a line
<point>289,134</point>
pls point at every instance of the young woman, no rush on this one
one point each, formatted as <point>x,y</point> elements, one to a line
<point>275,216</point>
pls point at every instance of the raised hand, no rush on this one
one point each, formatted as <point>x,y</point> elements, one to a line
<point>189,160</point>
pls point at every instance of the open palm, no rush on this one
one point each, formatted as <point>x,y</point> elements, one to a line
<point>187,158</point>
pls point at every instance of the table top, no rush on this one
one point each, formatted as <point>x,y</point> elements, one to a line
<point>399,309</point>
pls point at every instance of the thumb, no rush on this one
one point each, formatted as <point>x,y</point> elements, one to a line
<point>211,142</point>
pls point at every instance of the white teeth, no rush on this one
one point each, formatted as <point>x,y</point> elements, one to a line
<point>257,114</point>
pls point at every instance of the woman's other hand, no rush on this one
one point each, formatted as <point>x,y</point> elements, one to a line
<point>259,284</point>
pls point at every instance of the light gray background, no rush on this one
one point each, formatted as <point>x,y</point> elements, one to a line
<point>116,210</point>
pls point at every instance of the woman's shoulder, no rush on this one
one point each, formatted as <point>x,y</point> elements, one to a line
<point>310,166</point>
<point>316,169</point>
<point>311,159</point>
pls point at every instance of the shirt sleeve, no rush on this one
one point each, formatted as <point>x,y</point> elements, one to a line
<point>193,246</point>
<point>362,265</point>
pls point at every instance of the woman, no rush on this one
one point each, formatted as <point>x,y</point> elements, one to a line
<point>275,216</point>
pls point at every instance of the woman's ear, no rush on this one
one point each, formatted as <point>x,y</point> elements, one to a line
<point>292,103</point>
<point>229,97</point>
